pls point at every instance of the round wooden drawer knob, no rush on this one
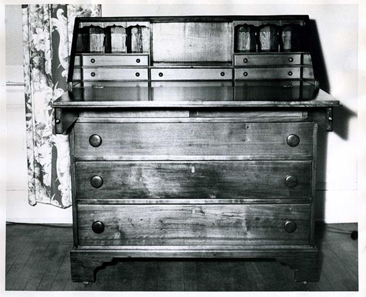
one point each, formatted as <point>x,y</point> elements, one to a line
<point>290,226</point>
<point>92,74</point>
<point>96,181</point>
<point>98,227</point>
<point>290,73</point>
<point>137,74</point>
<point>293,140</point>
<point>95,140</point>
<point>138,60</point>
<point>222,73</point>
<point>161,74</point>
<point>291,181</point>
<point>290,59</point>
<point>245,60</point>
<point>92,60</point>
<point>245,73</point>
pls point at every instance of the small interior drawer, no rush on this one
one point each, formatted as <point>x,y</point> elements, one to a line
<point>169,225</point>
<point>268,59</point>
<point>191,74</point>
<point>268,73</point>
<point>104,73</point>
<point>115,60</point>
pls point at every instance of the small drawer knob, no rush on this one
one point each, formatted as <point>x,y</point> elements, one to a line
<point>290,59</point>
<point>290,73</point>
<point>96,181</point>
<point>137,74</point>
<point>222,73</point>
<point>92,74</point>
<point>293,140</point>
<point>290,226</point>
<point>92,60</point>
<point>98,227</point>
<point>245,60</point>
<point>245,73</point>
<point>291,181</point>
<point>161,74</point>
<point>138,60</point>
<point>95,140</point>
<point>58,121</point>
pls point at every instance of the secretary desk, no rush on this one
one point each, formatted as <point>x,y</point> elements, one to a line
<point>193,137</point>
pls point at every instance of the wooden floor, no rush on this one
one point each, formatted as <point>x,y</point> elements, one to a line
<point>37,258</point>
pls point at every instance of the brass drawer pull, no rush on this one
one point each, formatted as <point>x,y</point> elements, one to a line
<point>290,226</point>
<point>98,227</point>
<point>95,140</point>
<point>293,140</point>
<point>96,181</point>
<point>291,181</point>
<point>92,60</point>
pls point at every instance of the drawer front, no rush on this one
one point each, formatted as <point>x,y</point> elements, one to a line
<point>115,74</point>
<point>193,140</point>
<point>191,74</point>
<point>206,180</point>
<point>267,73</point>
<point>115,60</point>
<point>169,225</point>
<point>258,60</point>
<point>128,87</point>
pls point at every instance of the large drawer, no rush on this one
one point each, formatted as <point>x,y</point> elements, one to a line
<point>193,140</point>
<point>206,180</point>
<point>203,225</point>
<point>191,74</point>
<point>115,60</point>
<point>104,73</point>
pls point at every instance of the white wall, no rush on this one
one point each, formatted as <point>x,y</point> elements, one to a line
<point>337,27</point>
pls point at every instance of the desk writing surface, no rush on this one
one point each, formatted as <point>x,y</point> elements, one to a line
<point>198,94</point>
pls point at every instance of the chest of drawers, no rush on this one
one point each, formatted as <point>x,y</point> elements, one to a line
<point>196,162</point>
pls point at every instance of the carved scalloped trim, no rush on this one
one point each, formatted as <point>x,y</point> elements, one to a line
<point>110,24</point>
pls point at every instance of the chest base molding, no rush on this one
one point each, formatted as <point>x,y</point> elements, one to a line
<point>302,259</point>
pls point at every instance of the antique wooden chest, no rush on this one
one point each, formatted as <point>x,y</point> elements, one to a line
<point>193,137</point>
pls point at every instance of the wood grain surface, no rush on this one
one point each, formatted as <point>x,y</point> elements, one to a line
<point>164,141</point>
<point>189,42</point>
<point>193,225</point>
<point>205,180</point>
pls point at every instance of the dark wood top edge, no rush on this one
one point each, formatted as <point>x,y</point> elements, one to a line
<point>197,104</point>
<point>303,19</point>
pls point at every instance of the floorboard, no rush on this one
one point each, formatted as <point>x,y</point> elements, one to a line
<point>38,259</point>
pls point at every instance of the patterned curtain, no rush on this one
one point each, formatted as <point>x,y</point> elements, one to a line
<point>47,37</point>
